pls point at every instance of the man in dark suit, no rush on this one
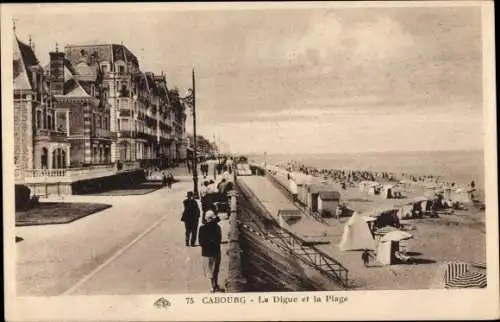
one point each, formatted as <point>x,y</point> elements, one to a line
<point>210,241</point>
<point>190,217</point>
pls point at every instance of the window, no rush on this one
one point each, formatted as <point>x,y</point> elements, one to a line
<point>121,69</point>
<point>104,68</point>
<point>92,90</point>
<point>39,119</point>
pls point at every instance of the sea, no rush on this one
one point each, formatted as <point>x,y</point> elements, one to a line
<point>453,166</point>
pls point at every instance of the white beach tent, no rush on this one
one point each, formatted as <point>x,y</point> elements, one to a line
<point>461,195</point>
<point>357,234</point>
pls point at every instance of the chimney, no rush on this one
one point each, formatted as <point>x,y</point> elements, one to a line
<point>57,73</point>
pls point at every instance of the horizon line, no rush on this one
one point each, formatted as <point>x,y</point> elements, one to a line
<point>357,152</point>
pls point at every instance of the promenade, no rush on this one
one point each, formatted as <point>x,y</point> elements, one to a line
<point>134,247</point>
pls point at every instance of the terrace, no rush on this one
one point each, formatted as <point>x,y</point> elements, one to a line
<point>68,175</point>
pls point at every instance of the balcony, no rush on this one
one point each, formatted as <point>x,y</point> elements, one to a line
<point>125,113</point>
<point>104,133</point>
<point>126,134</point>
<point>46,134</point>
<point>123,103</point>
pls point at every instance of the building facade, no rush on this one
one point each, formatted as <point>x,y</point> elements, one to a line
<point>147,117</point>
<point>92,105</point>
<point>82,111</point>
<point>39,141</point>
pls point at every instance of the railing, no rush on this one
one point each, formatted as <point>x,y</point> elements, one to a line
<point>35,173</point>
<point>130,165</point>
<point>50,133</point>
<point>104,133</point>
<point>73,174</point>
<point>295,245</point>
<point>123,103</point>
<point>59,133</point>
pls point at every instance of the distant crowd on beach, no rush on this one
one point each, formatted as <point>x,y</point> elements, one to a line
<point>350,177</point>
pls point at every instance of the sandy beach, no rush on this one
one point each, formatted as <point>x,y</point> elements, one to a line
<point>458,236</point>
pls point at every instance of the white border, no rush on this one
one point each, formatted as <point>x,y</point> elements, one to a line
<point>372,305</point>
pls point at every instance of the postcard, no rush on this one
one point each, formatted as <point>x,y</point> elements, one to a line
<point>249,161</point>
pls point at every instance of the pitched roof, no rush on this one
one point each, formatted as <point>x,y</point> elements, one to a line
<point>23,59</point>
<point>77,91</point>
<point>86,72</point>
<point>102,52</point>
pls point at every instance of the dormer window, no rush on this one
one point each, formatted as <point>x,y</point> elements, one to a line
<point>121,69</point>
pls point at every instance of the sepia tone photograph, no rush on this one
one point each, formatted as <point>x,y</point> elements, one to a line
<point>240,150</point>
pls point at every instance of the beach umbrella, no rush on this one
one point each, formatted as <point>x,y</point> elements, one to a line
<point>385,230</point>
<point>468,280</point>
<point>454,269</point>
<point>396,235</point>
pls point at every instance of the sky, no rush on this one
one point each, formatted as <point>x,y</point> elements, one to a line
<point>302,80</point>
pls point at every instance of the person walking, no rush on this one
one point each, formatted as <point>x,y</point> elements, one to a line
<point>170,180</point>
<point>190,217</point>
<point>210,237</point>
<point>365,257</point>
<point>164,180</point>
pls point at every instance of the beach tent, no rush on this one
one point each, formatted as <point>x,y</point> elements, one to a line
<point>328,201</point>
<point>311,194</point>
<point>367,185</point>
<point>357,235</point>
<point>384,217</point>
<point>386,251</point>
<point>386,191</point>
<point>462,195</point>
<point>405,212</point>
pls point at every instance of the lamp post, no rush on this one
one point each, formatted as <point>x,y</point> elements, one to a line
<point>190,100</point>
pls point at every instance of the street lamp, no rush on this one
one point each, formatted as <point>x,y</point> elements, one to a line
<point>191,100</point>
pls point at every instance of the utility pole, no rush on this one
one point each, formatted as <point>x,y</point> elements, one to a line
<point>195,156</point>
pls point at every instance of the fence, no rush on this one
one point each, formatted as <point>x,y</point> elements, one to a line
<point>298,247</point>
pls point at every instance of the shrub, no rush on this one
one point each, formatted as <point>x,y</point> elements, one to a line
<point>23,197</point>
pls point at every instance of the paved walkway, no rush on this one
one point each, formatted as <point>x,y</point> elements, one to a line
<point>134,247</point>
<point>274,200</point>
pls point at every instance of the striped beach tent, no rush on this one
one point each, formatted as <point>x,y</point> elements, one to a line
<point>453,270</point>
<point>467,280</point>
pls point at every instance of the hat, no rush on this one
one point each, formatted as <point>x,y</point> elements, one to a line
<point>210,215</point>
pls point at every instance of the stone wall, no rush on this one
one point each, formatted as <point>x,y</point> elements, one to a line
<point>117,181</point>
